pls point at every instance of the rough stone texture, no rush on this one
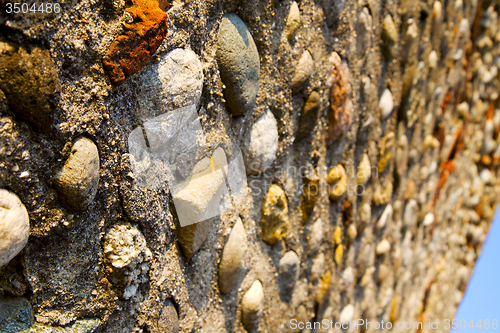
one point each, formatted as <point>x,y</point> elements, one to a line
<point>231,264</point>
<point>239,65</point>
<point>139,40</point>
<point>14,226</point>
<point>77,182</point>
<point>303,71</point>
<point>252,306</point>
<point>168,321</point>
<point>274,220</point>
<point>289,270</point>
<point>442,74</point>
<point>261,144</point>
<point>30,82</point>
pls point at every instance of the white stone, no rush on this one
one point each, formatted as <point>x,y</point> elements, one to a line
<point>303,71</point>
<point>410,214</point>
<point>14,226</point>
<point>487,177</point>
<point>386,215</point>
<point>124,245</point>
<point>428,219</point>
<point>174,82</point>
<point>262,144</point>
<point>433,59</point>
<point>347,314</point>
<point>252,306</point>
<point>231,264</point>
<point>386,103</point>
<point>383,247</point>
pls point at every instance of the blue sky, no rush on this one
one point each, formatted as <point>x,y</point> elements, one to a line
<point>482,295</point>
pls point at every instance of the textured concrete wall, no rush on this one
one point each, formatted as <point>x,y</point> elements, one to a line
<point>369,132</point>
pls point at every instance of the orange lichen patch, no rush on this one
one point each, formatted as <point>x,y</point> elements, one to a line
<point>340,110</point>
<point>140,39</point>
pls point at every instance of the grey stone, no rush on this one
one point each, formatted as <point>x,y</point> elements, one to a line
<point>77,182</point>
<point>316,235</point>
<point>262,144</point>
<point>168,322</point>
<point>303,71</point>
<point>363,31</point>
<point>14,226</point>
<point>239,64</point>
<point>15,314</point>
<point>231,265</point>
<point>289,270</point>
<point>252,306</point>
<point>410,214</point>
<point>309,115</point>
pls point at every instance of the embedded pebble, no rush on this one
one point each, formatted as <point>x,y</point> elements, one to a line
<point>363,30</point>
<point>289,269</point>
<point>310,194</point>
<point>352,232</point>
<point>386,104</point>
<point>383,247</point>
<point>340,111</point>
<point>385,153</point>
<point>337,180</point>
<point>303,71</point>
<point>261,144</point>
<point>274,221</point>
<point>410,214</point>
<point>293,20</point>
<point>316,235</point>
<point>252,306</point>
<point>383,272</point>
<point>382,195</point>
<point>239,64</point>
<point>346,314</point>
<point>433,59</point>
<point>192,236</point>
<point>14,226</point>
<point>428,219</point>
<point>77,182</point>
<point>231,264</point>
<point>365,214</point>
<point>389,36</point>
<point>364,170</point>
<point>168,321</point>
<point>386,215</point>
<point>401,157</point>
<point>437,13</point>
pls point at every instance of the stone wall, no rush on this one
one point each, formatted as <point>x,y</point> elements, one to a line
<point>369,134</point>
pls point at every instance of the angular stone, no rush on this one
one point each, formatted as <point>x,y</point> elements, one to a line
<point>382,195</point>
<point>239,64</point>
<point>139,40</point>
<point>316,235</point>
<point>383,247</point>
<point>340,110</point>
<point>31,85</point>
<point>337,180</point>
<point>261,145</point>
<point>252,306</point>
<point>124,245</point>
<point>386,215</point>
<point>174,82</point>
<point>231,264</point>
<point>168,321</point>
<point>389,36</point>
<point>303,71</point>
<point>293,20</point>
<point>386,103</point>
<point>14,226</point>
<point>309,115</point>
<point>192,236</point>
<point>363,31</point>
<point>274,219</point>
<point>78,180</point>
<point>364,170</point>
<point>289,269</point>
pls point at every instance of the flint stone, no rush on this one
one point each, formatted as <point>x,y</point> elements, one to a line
<point>239,64</point>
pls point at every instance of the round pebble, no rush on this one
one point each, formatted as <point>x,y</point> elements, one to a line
<point>251,306</point>
<point>383,247</point>
<point>14,226</point>
<point>386,103</point>
<point>303,71</point>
